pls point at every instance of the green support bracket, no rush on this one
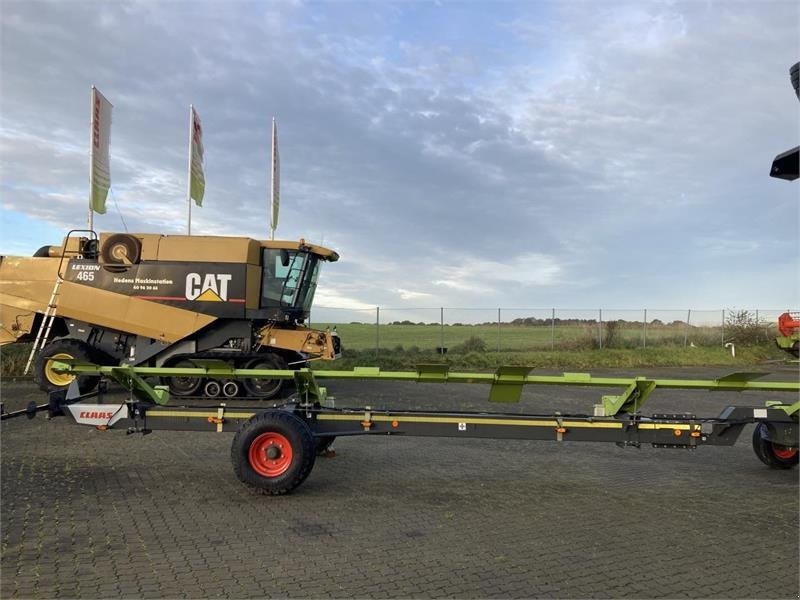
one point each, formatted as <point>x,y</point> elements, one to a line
<point>508,383</point>
<point>126,376</point>
<point>631,400</point>
<point>130,379</point>
<point>307,387</point>
<point>577,377</point>
<point>742,376</point>
<point>213,367</point>
<point>435,373</point>
<point>789,409</point>
<point>367,371</point>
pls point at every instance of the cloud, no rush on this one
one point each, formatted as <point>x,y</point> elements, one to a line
<point>331,298</point>
<point>556,151</point>
<point>720,246</point>
<point>485,276</point>
<point>409,295</point>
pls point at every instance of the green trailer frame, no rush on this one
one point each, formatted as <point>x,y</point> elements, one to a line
<point>274,448</point>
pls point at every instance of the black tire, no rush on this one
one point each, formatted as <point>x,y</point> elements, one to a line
<point>183,386</point>
<point>281,467</point>
<point>265,389</point>
<point>772,455</point>
<point>324,444</point>
<point>50,381</point>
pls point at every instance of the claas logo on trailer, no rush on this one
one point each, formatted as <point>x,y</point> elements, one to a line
<point>211,287</point>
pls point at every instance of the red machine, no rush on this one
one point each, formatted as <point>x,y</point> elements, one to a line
<point>789,323</point>
<point>789,328</point>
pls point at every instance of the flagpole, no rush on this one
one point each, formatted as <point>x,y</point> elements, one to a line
<point>275,195</point>
<point>272,186</point>
<point>189,173</point>
<point>90,220</point>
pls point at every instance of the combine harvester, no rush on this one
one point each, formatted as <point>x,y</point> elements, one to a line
<point>166,300</point>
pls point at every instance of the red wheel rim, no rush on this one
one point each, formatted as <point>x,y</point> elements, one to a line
<point>270,454</point>
<point>783,453</point>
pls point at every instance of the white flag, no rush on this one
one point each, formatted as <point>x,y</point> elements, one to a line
<point>276,180</point>
<point>197,179</point>
<point>101,133</point>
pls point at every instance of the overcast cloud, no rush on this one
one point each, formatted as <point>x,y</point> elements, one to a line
<point>528,154</point>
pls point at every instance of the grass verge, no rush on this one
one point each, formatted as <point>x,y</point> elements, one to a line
<point>576,359</point>
<point>14,356</point>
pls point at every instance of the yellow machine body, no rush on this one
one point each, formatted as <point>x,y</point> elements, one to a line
<point>148,298</point>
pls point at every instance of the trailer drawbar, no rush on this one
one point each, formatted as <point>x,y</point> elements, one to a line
<point>274,449</point>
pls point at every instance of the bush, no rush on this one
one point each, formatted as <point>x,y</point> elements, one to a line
<point>586,340</point>
<point>742,327</point>
<point>471,344</point>
<point>613,337</point>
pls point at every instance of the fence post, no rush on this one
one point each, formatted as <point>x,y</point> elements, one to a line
<point>377,330</point>
<point>441,333</point>
<point>553,330</point>
<point>600,330</point>
<point>758,326</point>
<point>498,329</point>
<point>686,327</point>
<point>644,328</point>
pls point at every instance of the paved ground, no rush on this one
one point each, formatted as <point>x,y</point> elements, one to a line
<point>92,514</point>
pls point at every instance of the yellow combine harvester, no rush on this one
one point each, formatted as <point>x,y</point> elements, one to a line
<point>166,300</point>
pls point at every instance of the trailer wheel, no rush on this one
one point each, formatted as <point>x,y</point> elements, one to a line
<point>49,380</point>
<point>273,452</point>
<point>264,388</point>
<point>772,455</point>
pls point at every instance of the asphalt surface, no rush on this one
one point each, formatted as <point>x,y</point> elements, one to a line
<point>91,514</point>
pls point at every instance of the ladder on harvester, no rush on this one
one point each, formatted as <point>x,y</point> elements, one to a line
<point>50,312</point>
<point>46,325</point>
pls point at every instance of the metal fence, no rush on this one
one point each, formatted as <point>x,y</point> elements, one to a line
<point>523,329</point>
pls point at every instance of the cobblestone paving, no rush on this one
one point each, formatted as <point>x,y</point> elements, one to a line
<point>90,514</point>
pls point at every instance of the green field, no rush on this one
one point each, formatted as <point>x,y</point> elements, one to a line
<point>565,346</point>
<point>522,338</point>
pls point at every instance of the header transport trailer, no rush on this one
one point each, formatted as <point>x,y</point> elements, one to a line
<point>274,449</point>
<point>166,300</point>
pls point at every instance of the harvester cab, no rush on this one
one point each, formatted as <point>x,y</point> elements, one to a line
<point>160,301</point>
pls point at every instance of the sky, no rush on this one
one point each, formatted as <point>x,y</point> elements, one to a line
<point>456,154</point>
